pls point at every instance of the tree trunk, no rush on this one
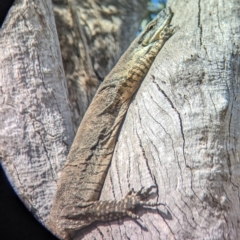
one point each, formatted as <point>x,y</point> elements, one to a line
<point>35,123</point>
<point>36,130</point>
<point>180,133</point>
<point>92,37</point>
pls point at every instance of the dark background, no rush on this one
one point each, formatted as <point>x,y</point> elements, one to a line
<point>4,7</point>
<point>16,222</point>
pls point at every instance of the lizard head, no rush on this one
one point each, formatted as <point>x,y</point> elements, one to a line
<point>155,28</point>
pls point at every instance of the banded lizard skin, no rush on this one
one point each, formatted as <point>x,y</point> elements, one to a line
<point>76,202</point>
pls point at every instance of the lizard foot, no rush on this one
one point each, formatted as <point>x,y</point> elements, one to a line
<point>84,213</point>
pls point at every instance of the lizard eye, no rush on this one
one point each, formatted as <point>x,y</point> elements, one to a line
<point>150,27</point>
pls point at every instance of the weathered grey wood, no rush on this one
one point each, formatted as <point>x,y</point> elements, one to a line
<point>35,121</point>
<point>182,131</point>
<point>36,131</point>
<point>93,35</point>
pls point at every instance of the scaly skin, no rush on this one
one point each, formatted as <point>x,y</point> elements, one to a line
<point>87,164</point>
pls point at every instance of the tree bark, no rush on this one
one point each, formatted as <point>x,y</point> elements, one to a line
<point>180,133</point>
<point>35,123</point>
<point>36,129</point>
<point>92,37</point>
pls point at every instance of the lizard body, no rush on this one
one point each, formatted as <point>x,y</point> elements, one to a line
<point>76,202</point>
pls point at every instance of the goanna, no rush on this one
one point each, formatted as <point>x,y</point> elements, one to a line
<point>76,202</point>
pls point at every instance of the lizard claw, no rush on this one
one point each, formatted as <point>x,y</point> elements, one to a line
<point>141,223</point>
<point>145,192</point>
